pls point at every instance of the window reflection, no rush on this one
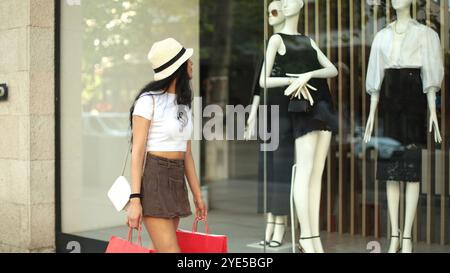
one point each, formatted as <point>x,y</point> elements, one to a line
<point>104,46</point>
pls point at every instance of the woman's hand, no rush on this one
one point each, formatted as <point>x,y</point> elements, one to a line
<point>434,123</point>
<point>200,208</point>
<point>134,217</point>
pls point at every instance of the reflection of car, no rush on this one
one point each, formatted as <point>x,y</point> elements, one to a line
<point>106,124</point>
<point>384,145</point>
<point>103,146</point>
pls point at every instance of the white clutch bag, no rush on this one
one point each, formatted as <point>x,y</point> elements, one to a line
<point>119,193</point>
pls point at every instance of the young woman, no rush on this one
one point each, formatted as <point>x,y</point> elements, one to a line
<point>161,123</point>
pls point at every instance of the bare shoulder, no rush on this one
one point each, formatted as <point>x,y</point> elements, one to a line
<point>275,40</point>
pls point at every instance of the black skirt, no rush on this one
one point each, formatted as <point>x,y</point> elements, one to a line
<point>280,157</point>
<point>403,126</point>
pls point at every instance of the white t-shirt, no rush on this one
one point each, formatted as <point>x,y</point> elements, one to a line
<point>419,47</point>
<point>171,126</point>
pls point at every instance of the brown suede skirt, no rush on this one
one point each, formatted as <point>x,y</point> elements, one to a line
<point>164,189</point>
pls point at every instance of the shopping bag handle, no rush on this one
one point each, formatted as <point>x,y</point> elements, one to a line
<point>130,235</point>
<point>197,219</point>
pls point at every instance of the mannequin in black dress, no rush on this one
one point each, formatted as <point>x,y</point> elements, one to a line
<point>276,220</point>
<point>305,136</point>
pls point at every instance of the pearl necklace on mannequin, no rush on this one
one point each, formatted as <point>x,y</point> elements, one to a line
<point>400,33</point>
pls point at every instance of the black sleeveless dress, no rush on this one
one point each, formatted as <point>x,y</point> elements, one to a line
<point>300,58</point>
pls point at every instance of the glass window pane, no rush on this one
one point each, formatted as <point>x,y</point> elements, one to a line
<point>104,46</point>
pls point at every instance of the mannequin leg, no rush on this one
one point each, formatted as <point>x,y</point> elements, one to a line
<point>412,198</point>
<point>279,231</point>
<point>320,156</point>
<point>305,147</point>
<point>270,225</point>
<point>393,199</point>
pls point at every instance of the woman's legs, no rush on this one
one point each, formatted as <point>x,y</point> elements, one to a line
<point>176,222</point>
<point>163,233</point>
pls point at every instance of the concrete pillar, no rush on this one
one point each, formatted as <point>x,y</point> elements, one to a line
<point>27,120</point>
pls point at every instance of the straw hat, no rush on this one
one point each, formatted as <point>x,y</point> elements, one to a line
<point>167,56</point>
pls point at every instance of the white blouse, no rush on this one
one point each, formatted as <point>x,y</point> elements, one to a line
<point>419,47</point>
<point>167,132</point>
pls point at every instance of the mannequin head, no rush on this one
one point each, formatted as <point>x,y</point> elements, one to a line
<point>401,4</point>
<point>276,17</point>
<point>291,7</point>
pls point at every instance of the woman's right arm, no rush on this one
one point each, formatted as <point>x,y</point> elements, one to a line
<point>140,131</point>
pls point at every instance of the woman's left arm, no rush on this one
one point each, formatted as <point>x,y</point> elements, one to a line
<point>194,183</point>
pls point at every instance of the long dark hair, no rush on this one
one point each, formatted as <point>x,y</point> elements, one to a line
<point>183,90</point>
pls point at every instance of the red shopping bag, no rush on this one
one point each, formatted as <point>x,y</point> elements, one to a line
<point>196,242</point>
<point>119,245</point>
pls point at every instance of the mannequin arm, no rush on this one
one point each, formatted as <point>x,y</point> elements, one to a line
<point>328,71</point>
<point>251,122</point>
<point>255,104</point>
<point>433,123</point>
<point>265,81</point>
<point>431,97</point>
<point>374,98</point>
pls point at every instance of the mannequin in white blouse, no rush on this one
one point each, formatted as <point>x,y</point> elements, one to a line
<point>395,47</point>
<point>276,224</point>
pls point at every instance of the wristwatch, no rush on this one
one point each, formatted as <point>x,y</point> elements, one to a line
<point>135,195</point>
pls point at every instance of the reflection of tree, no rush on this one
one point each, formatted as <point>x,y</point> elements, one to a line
<point>231,42</point>
<point>231,38</point>
<point>117,37</point>
<point>421,7</point>
<point>221,41</point>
